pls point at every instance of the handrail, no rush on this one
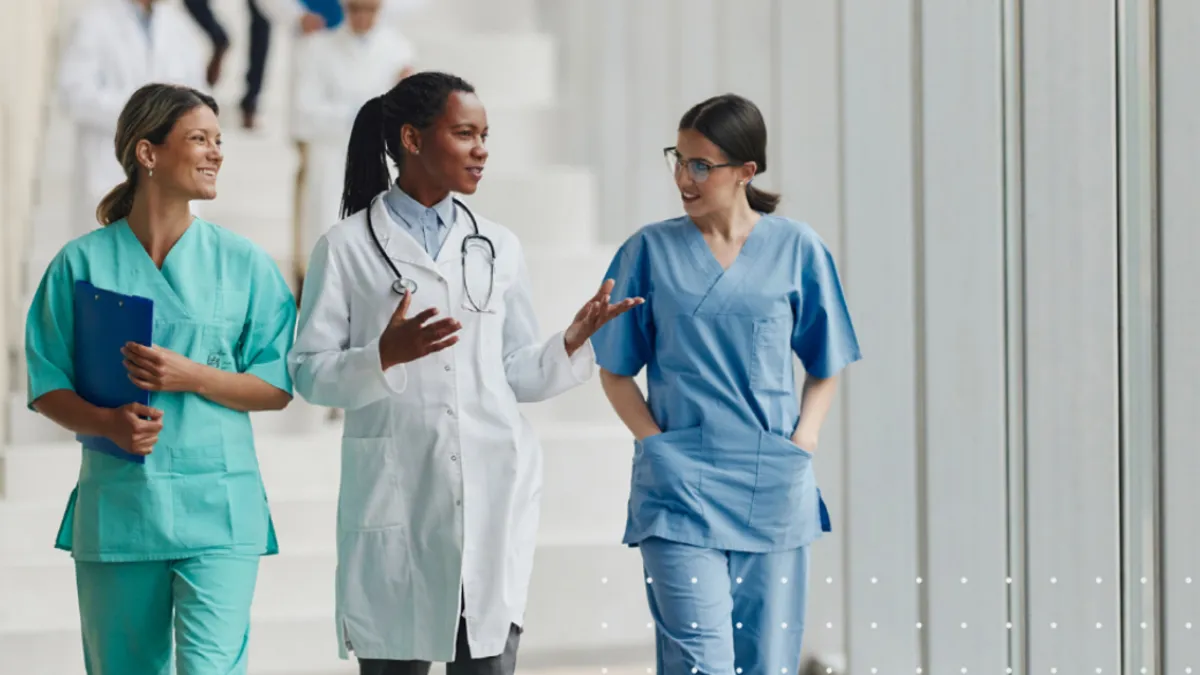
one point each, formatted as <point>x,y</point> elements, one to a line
<point>28,41</point>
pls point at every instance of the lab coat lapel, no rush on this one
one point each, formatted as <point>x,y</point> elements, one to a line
<point>400,246</point>
<point>728,280</point>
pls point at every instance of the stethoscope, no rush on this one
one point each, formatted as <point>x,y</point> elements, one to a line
<point>403,284</point>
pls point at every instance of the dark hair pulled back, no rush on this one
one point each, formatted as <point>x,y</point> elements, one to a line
<point>419,100</point>
<point>735,125</point>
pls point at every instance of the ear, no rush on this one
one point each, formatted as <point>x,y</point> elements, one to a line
<point>144,151</point>
<point>410,138</point>
<point>747,172</point>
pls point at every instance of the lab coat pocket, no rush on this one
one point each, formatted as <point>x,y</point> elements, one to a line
<point>785,495</point>
<point>371,497</point>
<point>667,470</point>
<point>770,355</point>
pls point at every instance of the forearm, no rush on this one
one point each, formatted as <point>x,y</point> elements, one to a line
<point>816,398</point>
<point>538,372</point>
<point>630,405</point>
<point>239,391</point>
<point>348,379</point>
<point>66,409</point>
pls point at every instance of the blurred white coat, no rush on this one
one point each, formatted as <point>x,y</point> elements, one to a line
<point>335,73</point>
<point>109,53</point>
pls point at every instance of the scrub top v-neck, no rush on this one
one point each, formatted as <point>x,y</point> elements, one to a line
<point>718,346</point>
<point>218,300</point>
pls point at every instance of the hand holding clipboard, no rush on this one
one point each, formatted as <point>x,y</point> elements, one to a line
<point>105,322</point>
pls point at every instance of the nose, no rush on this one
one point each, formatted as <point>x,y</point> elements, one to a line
<point>683,180</point>
<point>480,151</point>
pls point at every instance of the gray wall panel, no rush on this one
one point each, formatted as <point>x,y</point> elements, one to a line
<point>882,607</point>
<point>1180,276</point>
<point>1072,413</point>
<point>807,168</point>
<point>964,333</point>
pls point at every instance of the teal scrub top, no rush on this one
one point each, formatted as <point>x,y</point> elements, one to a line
<point>219,300</point>
<point>717,345</point>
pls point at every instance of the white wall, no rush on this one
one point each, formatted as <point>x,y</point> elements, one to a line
<point>26,37</point>
<point>961,158</point>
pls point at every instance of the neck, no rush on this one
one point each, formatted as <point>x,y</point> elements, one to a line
<point>425,194</point>
<point>158,222</point>
<point>144,4</point>
<point>730,225</point>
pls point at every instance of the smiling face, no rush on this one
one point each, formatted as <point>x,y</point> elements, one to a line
<point>705,185</point>
<point>188,160</point>
<point>451,153</point>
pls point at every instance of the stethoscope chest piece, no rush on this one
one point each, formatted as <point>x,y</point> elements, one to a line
<point>405,285</point>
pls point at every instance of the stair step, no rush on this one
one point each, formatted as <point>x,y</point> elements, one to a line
<point>601,585</point>
<point>489,60</point>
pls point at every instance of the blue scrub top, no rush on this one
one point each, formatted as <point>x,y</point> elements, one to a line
<point>218,300</point>
<point>718,347</point>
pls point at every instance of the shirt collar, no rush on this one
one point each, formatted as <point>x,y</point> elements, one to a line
<point>411,212</point>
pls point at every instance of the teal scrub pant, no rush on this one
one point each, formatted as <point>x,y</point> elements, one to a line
<point>725,612</point>
<point>131,612</point>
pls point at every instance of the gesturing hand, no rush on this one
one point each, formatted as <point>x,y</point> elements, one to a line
<point>131,432</point>
<point>595,313</point>
<point>406,339</point>
<point>159,369</point>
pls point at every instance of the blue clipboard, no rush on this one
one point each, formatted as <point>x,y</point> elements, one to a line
<point>330,10</point>
<point>104,322</point>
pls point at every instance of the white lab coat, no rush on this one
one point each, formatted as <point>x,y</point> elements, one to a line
<point>441,474</point>
<point>335,72</point>
<point>107,57</point>
<point>287,13</point>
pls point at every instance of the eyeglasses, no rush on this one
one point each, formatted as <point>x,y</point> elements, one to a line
<point>697,169</point>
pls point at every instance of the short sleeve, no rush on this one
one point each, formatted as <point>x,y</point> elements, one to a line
<point>624,345</point>
<point>270,327</point>
<point>823,336</point>
<point>49,333</point>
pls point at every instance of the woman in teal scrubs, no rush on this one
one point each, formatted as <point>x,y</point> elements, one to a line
<point>168,550</point>
<point>724,500</point>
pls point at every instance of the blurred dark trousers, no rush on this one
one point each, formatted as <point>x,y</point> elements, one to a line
<point>463,664</point>
<point>260,41</point>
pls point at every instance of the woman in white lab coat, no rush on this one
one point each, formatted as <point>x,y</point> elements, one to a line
<point>335,72</point>
<point>441,474</point>
<point>115,47</point>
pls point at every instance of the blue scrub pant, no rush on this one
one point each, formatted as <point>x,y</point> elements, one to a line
<point>723,612</point>
<point>130,612</point>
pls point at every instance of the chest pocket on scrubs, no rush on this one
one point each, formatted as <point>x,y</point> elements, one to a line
<point>223,333</point>
<point>771,355</point>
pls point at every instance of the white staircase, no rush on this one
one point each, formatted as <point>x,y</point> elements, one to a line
<point>587,604</point>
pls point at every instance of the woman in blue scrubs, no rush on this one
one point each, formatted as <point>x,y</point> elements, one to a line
<point>167,550</point>
<point>724,501</point>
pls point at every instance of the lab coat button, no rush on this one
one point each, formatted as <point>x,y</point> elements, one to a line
<point>447,369</point>
<point>450,412</point>
<point>453,458</point>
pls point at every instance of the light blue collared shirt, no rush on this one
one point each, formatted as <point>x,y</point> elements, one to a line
<point>428,225</point>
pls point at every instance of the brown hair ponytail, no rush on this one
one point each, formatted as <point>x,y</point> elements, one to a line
<point>149,115</point>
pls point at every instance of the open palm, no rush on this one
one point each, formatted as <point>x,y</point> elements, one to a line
<point>596,312</point>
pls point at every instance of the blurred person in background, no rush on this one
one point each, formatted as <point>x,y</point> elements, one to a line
<point>113,48</point>
<point>724,502</point>
<point>334,73</point>
<point>262,14</point>
<point>167,550</point>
